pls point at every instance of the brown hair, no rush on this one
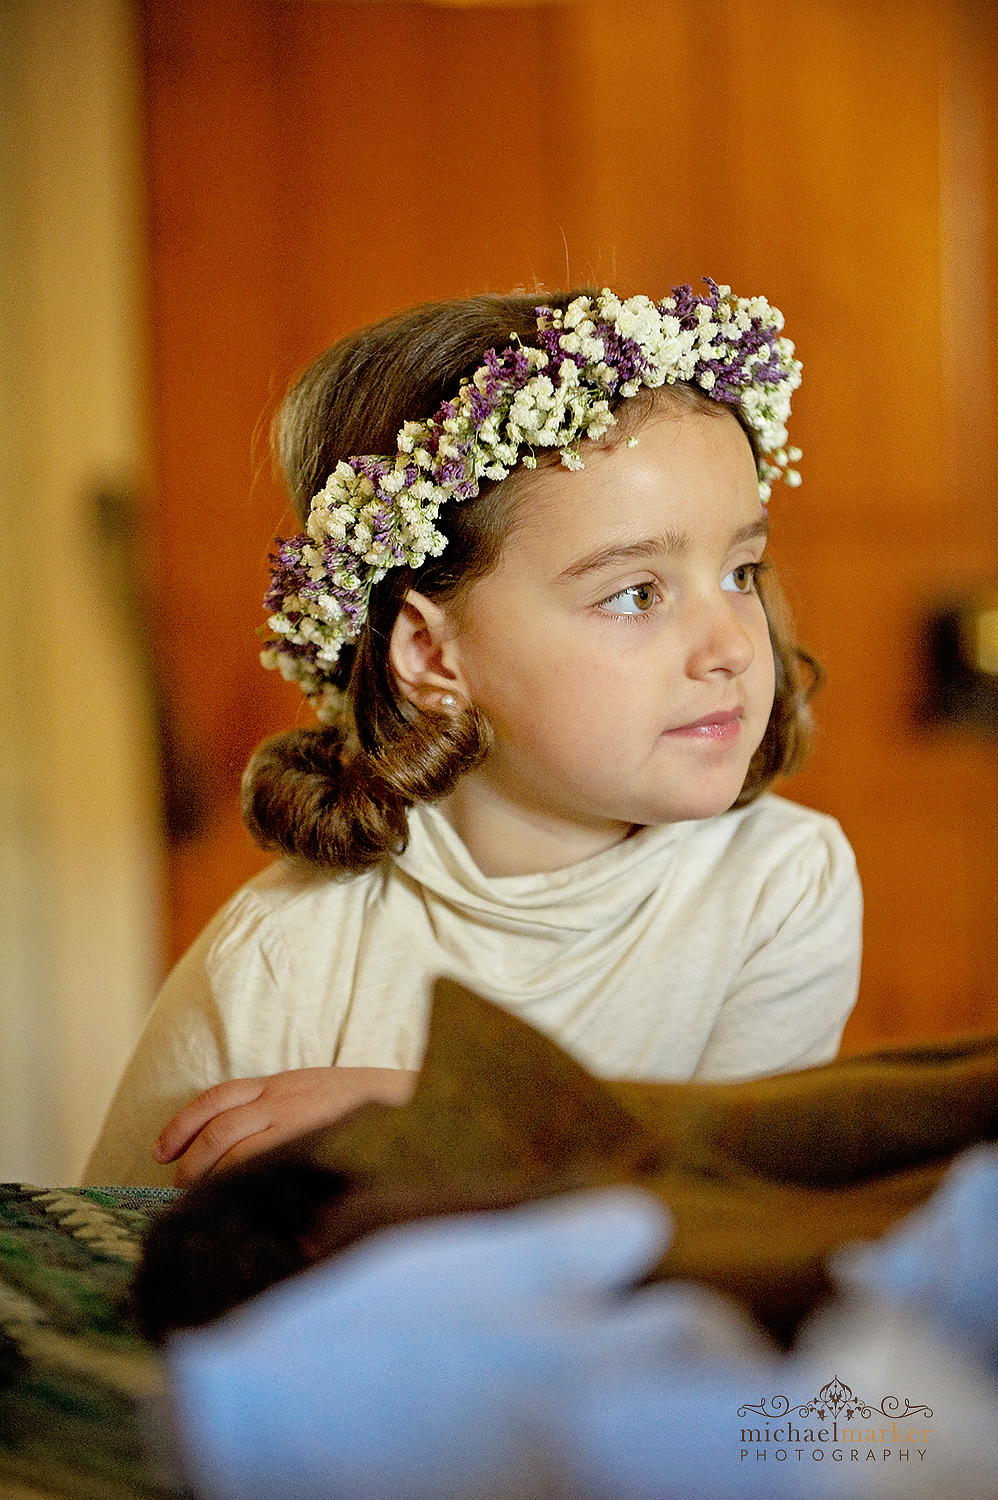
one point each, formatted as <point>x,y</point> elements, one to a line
<point>339,795</point>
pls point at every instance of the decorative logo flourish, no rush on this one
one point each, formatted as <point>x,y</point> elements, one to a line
<point>837,1400</point>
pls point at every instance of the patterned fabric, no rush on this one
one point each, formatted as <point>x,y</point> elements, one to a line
<point>73,1373</point>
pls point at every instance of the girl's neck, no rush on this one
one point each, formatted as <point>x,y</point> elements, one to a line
<point>505,838</point>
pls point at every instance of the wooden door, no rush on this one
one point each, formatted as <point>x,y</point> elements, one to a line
<point>315,166</point>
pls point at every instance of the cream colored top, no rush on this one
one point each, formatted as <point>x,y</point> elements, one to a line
<point>726,948</point>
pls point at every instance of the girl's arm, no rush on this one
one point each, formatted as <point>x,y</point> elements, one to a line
<point>241,1004</point>
<point>241,1117</point>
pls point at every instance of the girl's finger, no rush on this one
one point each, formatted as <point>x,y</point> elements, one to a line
<point>216,1142</point>
<point>191,1120</point>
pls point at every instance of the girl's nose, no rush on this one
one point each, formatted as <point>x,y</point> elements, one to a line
<point>720,642</point>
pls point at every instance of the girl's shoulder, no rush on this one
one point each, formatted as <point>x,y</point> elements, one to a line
<point>795,848</point>
<point>772,839</point>
<point>288,904</point>
<point>773,818</point>
<point>289,882</point>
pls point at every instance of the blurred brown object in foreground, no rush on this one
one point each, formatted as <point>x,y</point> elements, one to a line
<point>762,1178</point>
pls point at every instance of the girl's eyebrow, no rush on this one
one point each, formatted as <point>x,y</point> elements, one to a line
<point>758,528</point>
<point>671,543</point>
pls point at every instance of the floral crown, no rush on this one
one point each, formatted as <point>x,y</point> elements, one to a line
<point>378,512</point>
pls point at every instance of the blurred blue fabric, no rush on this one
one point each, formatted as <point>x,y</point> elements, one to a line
<point>942,1260</point>
<point>507,1355</point>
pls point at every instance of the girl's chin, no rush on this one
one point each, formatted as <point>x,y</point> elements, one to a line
<point>698,805</point>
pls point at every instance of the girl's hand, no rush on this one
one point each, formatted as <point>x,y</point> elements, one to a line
<point>241,1117</point>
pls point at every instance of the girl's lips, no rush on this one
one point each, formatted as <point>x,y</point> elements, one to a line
<point>719,727</point>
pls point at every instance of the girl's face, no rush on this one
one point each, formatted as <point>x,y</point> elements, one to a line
<point>621,652</point>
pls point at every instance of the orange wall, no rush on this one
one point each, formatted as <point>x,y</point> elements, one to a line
<point>314,166</point>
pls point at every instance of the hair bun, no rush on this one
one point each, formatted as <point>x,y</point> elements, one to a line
<point>316,795</point>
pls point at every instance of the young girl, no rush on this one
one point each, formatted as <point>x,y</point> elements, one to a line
<point>554,684</point>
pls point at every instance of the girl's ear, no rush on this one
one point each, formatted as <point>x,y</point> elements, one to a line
<point>422,652</point>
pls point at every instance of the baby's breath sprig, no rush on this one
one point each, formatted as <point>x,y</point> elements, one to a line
<point>378,512</point>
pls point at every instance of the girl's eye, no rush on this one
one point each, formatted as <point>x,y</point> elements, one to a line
<point>636,600</point>
<point>741,580</point>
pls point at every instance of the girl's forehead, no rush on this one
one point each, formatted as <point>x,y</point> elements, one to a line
<point>689,475</point>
